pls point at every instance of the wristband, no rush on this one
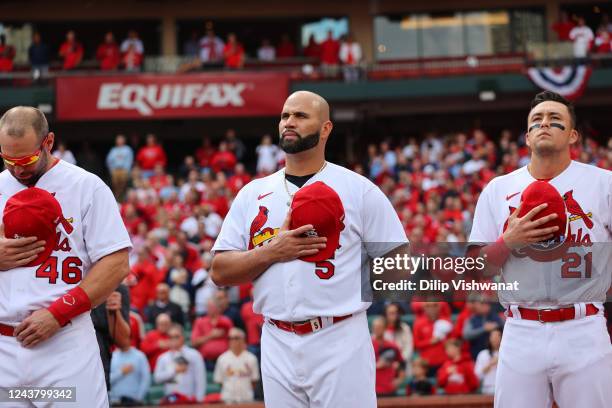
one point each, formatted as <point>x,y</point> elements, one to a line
<point>69,306</point>
<point>498,252</point>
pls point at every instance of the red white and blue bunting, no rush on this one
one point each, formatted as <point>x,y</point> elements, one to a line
<point>569,81</point>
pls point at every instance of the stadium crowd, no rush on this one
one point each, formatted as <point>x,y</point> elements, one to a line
<point>183,325</point>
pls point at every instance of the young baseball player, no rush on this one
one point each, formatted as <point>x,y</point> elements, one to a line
<point>302,235</point>
<point>555,345</point>
<point>63,250</point>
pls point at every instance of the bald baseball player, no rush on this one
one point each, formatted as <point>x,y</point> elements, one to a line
<point>47,337</point>
<point>555,345</point>
<point>302,235</point>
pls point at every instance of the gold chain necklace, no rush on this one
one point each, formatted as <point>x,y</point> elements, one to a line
<point>287,186</point>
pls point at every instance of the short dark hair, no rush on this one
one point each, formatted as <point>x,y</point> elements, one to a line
<point>555,97</point>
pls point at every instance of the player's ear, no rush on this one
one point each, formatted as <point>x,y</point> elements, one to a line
<point>326,129</point>
<point>574,136</point>
<point>50,141</point>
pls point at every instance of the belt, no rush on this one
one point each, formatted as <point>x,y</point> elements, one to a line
<point>6,330</point>
<point>307,326</point>
<point>553,315</point>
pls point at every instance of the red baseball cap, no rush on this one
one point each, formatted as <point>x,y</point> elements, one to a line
<point>319,205</point>
<point>34,212</point>
<point>540,192</point>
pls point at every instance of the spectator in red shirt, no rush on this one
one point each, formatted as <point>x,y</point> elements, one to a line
<point>389,361</point>
<point>253,323</point>
<point>137,329</point>
<point>285,49</point>
<point>210,334</point>
<point>142,281</point>
<point>108,53</point>
<point>223,160</point>
<point>428,341</point>
<point>313,49</point>
<point>156,342</point>
<point>205,153</point>
<point>150,155</point>
<point>457,374</point>
<point>603,40</point>
<point>330,55</point>
<point>233,53</point>
<point>71,51</point>
<point>7,53</point>
<point>563,27</point>
<point>240,179</point>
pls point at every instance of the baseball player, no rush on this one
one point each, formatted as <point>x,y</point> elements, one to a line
<point>302,235</point>
<point>554,346</point>
<point>65,251</point>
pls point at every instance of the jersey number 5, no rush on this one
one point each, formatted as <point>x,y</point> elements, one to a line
<point>325,269</point>
<point>71,271</point>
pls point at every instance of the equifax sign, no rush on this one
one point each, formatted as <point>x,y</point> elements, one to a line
<point>146,98</point>
<point>166,96</point>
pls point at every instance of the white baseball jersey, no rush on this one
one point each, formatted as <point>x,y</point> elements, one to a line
<point>88,204</point>
<point>584,273</point>
<point>298,290</point>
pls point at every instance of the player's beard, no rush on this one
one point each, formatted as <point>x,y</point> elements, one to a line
<point>300,144</point>
<point>41,167</point>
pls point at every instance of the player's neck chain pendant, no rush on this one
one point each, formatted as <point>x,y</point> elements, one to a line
<point>287,186</point>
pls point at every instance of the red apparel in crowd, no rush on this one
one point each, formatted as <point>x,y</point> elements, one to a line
<point>386,375</point>
<point>204,154</point>
<point>7,53</point>
<point>330,52</point>
<point>149,156</point>
<point>223,161</point>
<point>150,346</point>
<point>137,329</point>
<point>237,181</point>
<point>159,181</point>
<point>253,323</point>
<point>144,276</point>
<point>213,348</point>
<point>72,52</point>
<point>131,59</point>
<point>563,29</point>
<point>109,56</point>
<point>313,50</point>
<point>458,377</point>
<point>234,55</point>
<point>435,353</point>
<point>285,49</point>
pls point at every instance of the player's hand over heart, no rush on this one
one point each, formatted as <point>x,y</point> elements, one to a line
<point>36,328</point>
<point>292,244</point>
<point>19,251</point>
<point>523,230</point>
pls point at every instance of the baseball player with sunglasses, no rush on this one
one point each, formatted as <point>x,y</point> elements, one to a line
<point>63,250</point>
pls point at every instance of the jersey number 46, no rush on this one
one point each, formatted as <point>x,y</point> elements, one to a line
<point>70,270</point>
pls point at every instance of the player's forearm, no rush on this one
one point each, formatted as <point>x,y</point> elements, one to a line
<point>104,277</point>
<point>237,267</point>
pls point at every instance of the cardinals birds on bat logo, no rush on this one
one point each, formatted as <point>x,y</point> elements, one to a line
<point>258,235</point>
<point>575,210</point>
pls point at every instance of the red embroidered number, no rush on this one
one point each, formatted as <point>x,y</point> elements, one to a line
<point>71,271</point>
<point>325,269</point>
<point>573,260</point>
